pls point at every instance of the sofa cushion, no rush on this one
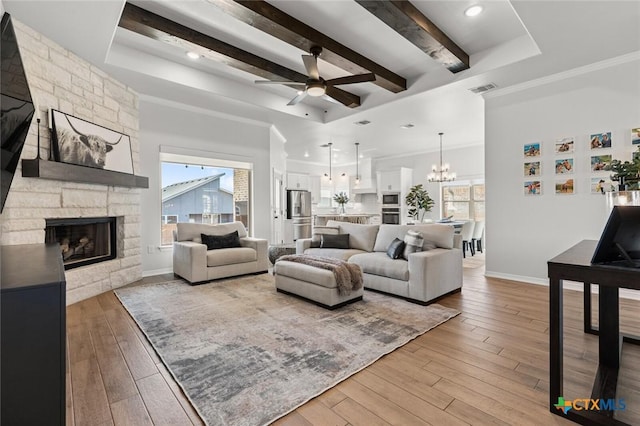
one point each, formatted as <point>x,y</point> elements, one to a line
<point>191,231</point>
<point>215,242</point>
<point>361,237</point>
<point>438,234</point>
<point>380,264</point>
<point>395,249</point>
<point>343,254</point>
<point>340,241</point>
<point>414,242</point>
<point>231,256</point>
<point>320,230</point>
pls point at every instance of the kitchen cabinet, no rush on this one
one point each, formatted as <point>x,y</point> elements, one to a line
<point>389,181</point>
<point>315,187</point>
<point>33,335</point>
<point>298,181</point>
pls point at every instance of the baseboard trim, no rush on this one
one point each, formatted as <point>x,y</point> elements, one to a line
<point>568,285</point>
<point>157,272</point>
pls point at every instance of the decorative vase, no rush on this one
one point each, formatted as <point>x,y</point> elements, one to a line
<point>622,198</point>
<point>342,209</point>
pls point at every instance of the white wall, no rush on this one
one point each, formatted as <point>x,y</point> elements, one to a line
<point>191,130</point>
<point>523,232</point>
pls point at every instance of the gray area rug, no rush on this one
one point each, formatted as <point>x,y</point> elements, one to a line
<point>247,355</point>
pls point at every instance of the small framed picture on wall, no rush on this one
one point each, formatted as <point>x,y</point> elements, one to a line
<point>600,140</point>
<point>532,169</point>
<point>564,166</point>
<point>532,149</point>
<point>600,162</point>
<point>635,136</point>
<point>533,187</point>
<point>564,186</point>
<point>600,185</point>
<point>565,145</point>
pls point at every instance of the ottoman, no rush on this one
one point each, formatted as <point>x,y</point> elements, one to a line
<point>313,284</point>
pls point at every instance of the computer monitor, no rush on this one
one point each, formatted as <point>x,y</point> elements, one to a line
<point>619,244</point>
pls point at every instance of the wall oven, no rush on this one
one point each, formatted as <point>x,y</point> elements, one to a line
<point>390,199</point>
<point>391,215</point>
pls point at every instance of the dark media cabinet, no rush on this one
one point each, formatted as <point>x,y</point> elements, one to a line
<point>32,334</point>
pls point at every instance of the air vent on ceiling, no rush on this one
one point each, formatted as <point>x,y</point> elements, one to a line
<point>407,126</point>
<point>362,122</point>
<point>482,89</point>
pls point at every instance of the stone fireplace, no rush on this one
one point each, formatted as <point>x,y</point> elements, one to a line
<point>83,241</point>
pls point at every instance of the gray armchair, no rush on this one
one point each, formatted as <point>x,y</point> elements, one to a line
<point>193,262</point>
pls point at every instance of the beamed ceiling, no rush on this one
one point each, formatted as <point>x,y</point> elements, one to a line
<point>425,55</point>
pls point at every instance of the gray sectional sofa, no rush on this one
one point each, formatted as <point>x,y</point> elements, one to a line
<point>426,275</point>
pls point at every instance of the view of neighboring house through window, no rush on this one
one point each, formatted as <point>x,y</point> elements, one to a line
<point>202,194</point>
<point>463,202</point>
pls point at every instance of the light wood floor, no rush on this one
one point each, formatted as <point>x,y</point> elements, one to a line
<point>488,365</point>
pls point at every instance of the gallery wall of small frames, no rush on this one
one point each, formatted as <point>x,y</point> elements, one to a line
<point>593,152</point>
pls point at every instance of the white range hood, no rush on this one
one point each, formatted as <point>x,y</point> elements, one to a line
<point>367,184</point>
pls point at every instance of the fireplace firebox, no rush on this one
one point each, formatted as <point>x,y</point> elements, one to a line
<point>83,241</point>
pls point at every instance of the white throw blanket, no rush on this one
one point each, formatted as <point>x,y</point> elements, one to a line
<point>348,275</point>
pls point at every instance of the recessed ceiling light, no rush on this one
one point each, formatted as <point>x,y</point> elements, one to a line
<point>407,126</point>
<point>362,122</point>
<point>306,154</point>
<point>474,10</point>
<point>193,55</point>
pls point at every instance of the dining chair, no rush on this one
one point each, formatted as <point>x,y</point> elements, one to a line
<point>467,235</point>
<point>478,235</point>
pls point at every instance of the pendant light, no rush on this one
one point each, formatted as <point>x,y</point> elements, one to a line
<point>329,175</point>
<point>357,169</point>
<point>441,174</point>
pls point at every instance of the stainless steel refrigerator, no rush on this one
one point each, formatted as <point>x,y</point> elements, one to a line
<point>299,211</point>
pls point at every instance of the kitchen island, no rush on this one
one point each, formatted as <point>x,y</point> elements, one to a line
<point>364,218</point>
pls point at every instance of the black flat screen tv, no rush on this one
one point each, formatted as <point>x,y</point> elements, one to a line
<point>619,244</point>
<point>16,106</point>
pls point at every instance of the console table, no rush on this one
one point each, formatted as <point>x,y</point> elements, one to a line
<point>575,265</point>
<point>32,335</point>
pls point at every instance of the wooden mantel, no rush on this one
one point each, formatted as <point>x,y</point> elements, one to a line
<point>44,169</point>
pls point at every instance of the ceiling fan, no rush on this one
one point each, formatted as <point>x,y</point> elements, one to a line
<point>317,86</point>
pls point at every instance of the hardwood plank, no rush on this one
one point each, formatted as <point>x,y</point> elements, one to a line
<point>116,376</point>
<point>91,405</point>
<point>472,415</point>
<point>292,419</point>
<point>332,397</point>
<point>130,411</point>
<point>317,413</point>
<point>417,406</point>
<point>161,403</point>
<point>377,404</point>
<point>140,363</point>
<point>357,415</point>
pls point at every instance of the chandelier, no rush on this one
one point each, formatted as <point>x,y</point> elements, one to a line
<point>441,174</point>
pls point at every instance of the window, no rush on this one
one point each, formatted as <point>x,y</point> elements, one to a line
<point>202,193</point>
<point>463,202</point>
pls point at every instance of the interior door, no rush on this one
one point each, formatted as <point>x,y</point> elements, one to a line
<point>277,208</point>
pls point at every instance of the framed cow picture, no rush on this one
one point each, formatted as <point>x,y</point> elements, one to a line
<point>77,141</point>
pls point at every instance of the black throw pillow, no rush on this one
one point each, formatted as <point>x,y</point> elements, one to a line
<point>214,242</point>
<point>395,249</point>
<point>340,241</point>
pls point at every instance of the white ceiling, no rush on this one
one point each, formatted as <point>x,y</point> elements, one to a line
<point>509,43</point>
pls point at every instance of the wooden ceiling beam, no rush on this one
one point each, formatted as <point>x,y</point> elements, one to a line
<point>264,16</point>
<point>409,22</point>
<point>156,27</point>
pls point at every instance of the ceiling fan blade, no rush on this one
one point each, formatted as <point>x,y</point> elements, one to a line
<point>360,78</point>
<point>330,99</point>
<point>298,98</point>
<point>287,82</point>
<point>345,98</point>
<point>311,64</point>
